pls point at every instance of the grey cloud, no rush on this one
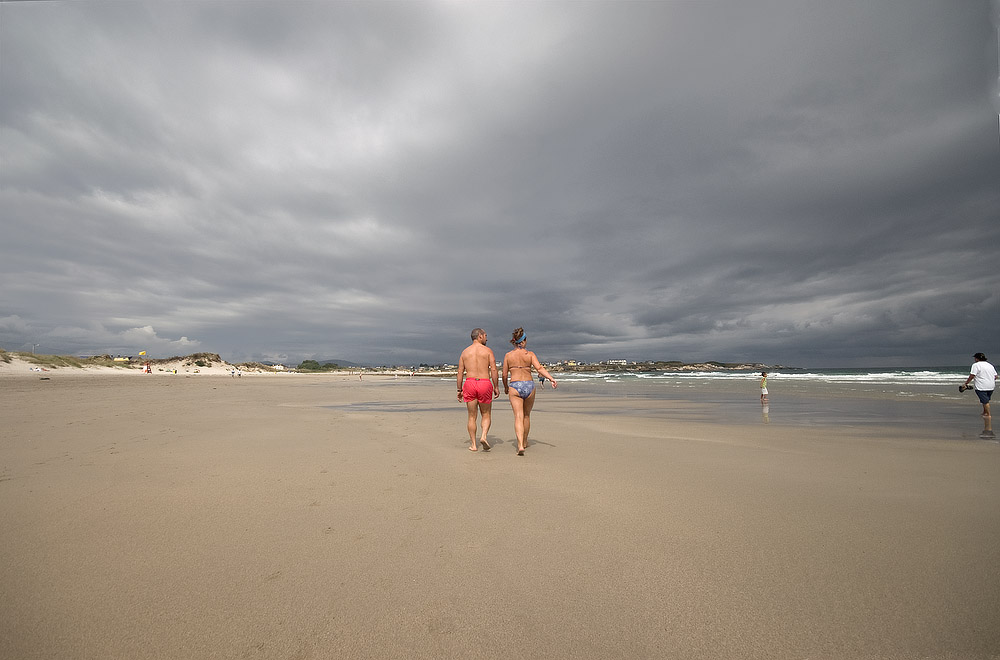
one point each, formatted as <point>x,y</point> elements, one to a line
<point>784,181</point>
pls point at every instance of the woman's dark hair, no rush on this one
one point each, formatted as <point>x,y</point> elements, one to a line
<point>517,337</point>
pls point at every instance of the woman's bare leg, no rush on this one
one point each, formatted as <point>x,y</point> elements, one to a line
<point>529,403</point>
<point>517,406</point>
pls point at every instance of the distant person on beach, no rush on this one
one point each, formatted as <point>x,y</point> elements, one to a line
<point>984,376</point>
<point>763,386</point>
<point>477,385</point>
<point>521,389</point>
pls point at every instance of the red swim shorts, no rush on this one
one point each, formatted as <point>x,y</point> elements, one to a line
<point>477,389</point>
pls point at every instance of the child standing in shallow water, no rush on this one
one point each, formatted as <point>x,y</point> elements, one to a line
<point>763,386</point>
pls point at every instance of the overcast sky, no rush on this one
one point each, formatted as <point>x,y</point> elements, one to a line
<point>803,182</point>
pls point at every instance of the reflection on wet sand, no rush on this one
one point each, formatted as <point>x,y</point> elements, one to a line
<point>987,433</point>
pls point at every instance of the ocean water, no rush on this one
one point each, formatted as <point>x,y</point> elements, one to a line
<point>918,402</point>
<point>881,402</point>
<point>926,384</point>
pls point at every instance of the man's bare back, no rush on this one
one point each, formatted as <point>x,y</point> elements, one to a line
<point>477,361</point>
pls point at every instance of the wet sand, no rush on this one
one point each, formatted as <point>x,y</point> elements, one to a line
<point>323,517</point>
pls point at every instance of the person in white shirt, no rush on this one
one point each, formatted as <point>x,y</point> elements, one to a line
<point>985,377</point>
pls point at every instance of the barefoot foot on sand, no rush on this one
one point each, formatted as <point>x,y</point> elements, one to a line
<point>486,445</point>
<point>472,449</point>
<point>520,452</point>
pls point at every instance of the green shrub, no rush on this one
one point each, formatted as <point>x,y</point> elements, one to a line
<point>313,365</point>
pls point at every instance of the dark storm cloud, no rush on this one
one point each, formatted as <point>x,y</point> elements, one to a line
<point>797,182</point>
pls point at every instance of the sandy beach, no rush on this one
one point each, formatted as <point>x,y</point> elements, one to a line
<point>292,516</point>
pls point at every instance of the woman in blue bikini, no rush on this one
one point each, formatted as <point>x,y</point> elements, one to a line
<point>521,388</point>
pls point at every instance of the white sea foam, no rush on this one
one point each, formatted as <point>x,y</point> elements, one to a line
<point>888,377</point>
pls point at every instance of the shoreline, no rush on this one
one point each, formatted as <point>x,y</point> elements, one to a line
<point>926,411</point>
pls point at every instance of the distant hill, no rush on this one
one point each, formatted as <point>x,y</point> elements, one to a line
<point>339,363</point>
<point>342,363</point>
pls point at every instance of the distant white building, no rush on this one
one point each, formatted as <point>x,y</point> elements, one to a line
<point>618,362</point>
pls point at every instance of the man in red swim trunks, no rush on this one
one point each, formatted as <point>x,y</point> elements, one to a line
<point>477,384</point>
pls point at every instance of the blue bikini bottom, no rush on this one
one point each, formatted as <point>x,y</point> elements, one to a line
<point>523,387</point>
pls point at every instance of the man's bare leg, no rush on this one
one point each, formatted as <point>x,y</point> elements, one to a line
<point>487,410</point>
<point>473,411</point>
